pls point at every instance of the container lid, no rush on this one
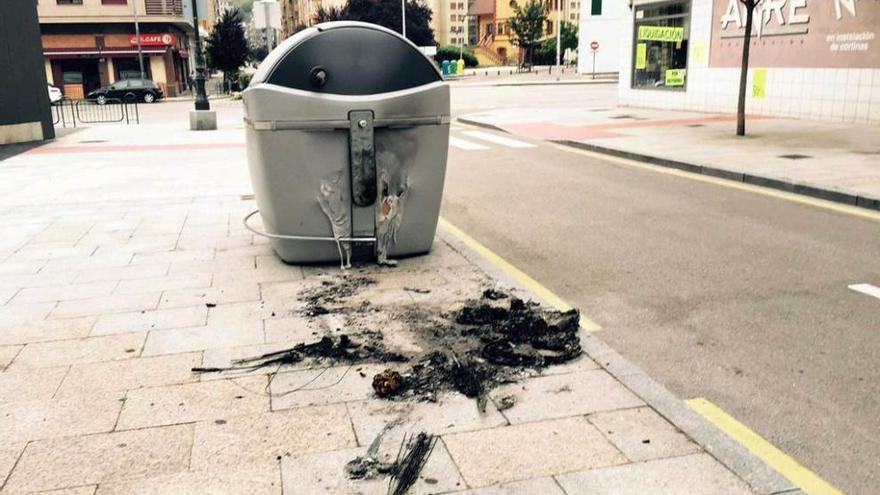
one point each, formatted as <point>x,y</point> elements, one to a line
<point>347,58</point>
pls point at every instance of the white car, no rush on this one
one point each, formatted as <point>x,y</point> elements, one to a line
<point>54,94</point>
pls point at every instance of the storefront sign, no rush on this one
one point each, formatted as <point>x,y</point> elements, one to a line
<point>641,56</point>
<point>799,33</point>
<point>661,33</point>
<point>163,39</point>
<point>759,84</point>
<point>674,77</point>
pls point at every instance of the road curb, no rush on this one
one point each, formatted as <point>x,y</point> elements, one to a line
<point>842,197</point>
<point>755,472</point>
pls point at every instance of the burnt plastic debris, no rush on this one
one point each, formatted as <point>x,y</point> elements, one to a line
<point>341,349</point>
<point>403,473</point>
<point>487,342</point>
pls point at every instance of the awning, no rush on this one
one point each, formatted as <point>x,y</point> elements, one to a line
<point>147,51</point>
<point>482,7</point>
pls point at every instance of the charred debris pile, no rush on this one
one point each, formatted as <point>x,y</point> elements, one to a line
<point>494,339</point>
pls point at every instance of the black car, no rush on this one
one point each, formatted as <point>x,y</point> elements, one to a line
<point>143,90</point>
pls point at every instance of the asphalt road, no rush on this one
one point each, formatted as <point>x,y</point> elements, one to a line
<point>718,293</point>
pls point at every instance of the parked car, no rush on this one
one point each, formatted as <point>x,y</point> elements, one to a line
<point>143,90</point>
<point>54,95</point>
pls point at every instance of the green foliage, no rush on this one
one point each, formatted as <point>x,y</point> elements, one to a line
<point>226,46</point>
<point>527,26</point>
<point>450,53</point>
<point>386,13</point>
<point>258,53</point>
<point>546,53</point>
<point>244,80</point>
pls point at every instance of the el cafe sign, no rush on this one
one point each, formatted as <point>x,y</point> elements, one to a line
<point>161,39</point>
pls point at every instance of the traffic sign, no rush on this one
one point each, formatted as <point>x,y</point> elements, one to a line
<point>594,45</point>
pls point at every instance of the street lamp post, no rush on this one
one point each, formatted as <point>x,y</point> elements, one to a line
<point>137,34</point>
<point>558,34</point>
<point>201,97</point>
<point>403,17</point>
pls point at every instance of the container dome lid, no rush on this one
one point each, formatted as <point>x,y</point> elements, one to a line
<point>347,58</point>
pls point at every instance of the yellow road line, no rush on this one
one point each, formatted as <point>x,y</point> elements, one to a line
<point>773,193</point>
<point>517,274</point>
<point>802,477</point>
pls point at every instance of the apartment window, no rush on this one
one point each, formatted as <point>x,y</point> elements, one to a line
<point>549,29</point>
<point>69,2</point>
<point>596,7</point>
<point>452,18</point>
<point>661,45</point>
<point>572,16</point>
<point>114,2</point>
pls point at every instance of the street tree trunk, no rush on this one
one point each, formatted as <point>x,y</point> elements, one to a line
<point>744,71</point>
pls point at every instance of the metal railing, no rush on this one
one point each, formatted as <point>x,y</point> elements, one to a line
<point>70,113</point>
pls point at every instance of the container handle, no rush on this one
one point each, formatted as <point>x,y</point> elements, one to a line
<point>301,237</point>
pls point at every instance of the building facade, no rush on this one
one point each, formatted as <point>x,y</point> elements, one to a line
<point>494,39</point>
<point>818,60</point>
<point>449,21</point>
<point>600,24</point>
<point>91,43</point>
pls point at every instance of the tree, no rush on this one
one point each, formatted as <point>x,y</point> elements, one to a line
<point>226,45</point>
<point>258,53</point>
<point>328,14</point>
<point>744,71</point>
<point>387,13</point>
<point>527,26</point>
<point>569,37</point>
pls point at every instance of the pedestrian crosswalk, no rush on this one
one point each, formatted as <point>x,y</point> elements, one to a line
<point>481,140</point>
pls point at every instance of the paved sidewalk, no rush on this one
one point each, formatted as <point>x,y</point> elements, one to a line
<point>124,263</point>
<point>839,162</point>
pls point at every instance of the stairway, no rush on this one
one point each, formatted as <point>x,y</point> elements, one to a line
<point>487,57</point>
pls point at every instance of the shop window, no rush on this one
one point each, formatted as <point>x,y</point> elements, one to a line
<point>596,7</point>
<point>660,45</point>
<point>69,2</point>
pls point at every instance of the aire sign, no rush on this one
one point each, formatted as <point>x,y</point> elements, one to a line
<point>161,39</point>
<point>798,33</point>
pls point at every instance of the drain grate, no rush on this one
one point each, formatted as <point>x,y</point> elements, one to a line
<point>795,157</point>
<point>247,197</point>
<point>89,141</point>
<point>696,125</point>
<point>867,152</point>
<point>617,117</point>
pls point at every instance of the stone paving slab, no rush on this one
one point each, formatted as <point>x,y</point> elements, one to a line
<point>191,402</point>
<point>249,479</point>
<point>88,350</point>
<point>129,374</point>
<point>531,450</point>
<point>560,396</point>
<point>262,438</point>
<point>697,474</point>
<point>79,460</point>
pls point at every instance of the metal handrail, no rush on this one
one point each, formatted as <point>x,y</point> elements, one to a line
<point>301,237</point>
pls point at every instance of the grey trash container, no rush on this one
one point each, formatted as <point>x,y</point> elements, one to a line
<point>347,130</point>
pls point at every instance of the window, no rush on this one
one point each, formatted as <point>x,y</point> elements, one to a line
<point>549,29</point>
<point>660,45</point>
<point>452,18</point>
<point>596,7</point>
<point>69,2</point>
<point>572,17</point>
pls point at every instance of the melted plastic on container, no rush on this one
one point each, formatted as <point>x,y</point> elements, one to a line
<point>332,197</point>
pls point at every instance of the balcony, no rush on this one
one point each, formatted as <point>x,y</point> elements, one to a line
<point>100,11</point>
